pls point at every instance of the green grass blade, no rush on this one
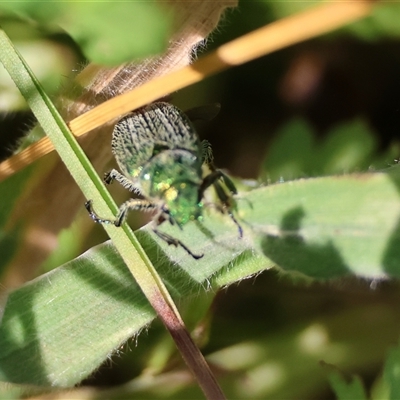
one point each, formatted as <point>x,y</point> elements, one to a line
<point>78,164</point>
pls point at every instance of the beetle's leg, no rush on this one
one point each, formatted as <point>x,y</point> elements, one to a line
<point>131,204</point>
<point>225,199</point>
<point>112,175</point>
<point>175,242</point>
<point>212,179</point>
<point>207,156</point>
<point>164,215</point>
<point>218,174</point>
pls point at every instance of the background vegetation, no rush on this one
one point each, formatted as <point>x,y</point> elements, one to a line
<point>329,106</point>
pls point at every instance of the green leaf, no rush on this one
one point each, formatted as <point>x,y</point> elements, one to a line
<point>382,22</point>
<point>76,315</point>
<point>118,33</point>
<point>347,147</point>
<point>67,322</point>
<point>283,9</point>
<point>327,227</point>
<point>9,232</point>
<point>55,60</point>
<point>296,152</point>
<point>63,322</point>
<point>290,153</point>
<point>345,390</point>
<point>107,33</point>
<point>391,373</point>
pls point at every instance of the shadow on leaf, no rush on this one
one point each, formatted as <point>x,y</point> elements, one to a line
<point>290,251</point>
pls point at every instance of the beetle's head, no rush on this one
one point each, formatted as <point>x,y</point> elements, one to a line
<point>181,199</point>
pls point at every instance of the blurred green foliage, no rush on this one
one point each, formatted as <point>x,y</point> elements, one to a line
<point>107,32</point>
<point>347,390</point>
<point>296,153</point>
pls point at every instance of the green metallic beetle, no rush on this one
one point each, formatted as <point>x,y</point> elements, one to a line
<point>160,156</point>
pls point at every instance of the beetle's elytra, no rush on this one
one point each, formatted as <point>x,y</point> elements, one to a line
<point>160,158</point>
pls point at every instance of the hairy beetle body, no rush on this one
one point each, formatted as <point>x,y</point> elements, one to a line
<point>160,156</point>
